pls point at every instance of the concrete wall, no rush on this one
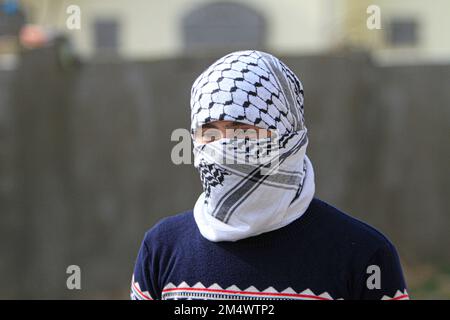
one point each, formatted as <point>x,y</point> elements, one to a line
<point>86,169</point>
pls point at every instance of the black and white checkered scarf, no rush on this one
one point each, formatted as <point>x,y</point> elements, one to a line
<point>245,199</point>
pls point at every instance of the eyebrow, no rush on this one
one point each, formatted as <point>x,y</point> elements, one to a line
<point>211,125</point>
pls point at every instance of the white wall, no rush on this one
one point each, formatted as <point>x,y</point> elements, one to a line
<point>433,19</point>
<point>151,28</point>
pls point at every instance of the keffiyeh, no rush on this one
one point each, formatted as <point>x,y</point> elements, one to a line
<point>245,198</point>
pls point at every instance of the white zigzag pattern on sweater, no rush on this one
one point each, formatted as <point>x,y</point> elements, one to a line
<point>136,292</point>
<point>216,292</point>
<point>399,295</point>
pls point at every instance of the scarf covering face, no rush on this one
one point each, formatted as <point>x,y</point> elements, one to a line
<point>247,198</point>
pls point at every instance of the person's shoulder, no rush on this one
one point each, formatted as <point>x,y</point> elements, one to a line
<point>171,227</point>
<point>350,229</point>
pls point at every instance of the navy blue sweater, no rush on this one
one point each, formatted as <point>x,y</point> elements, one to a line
<point>325,254</point>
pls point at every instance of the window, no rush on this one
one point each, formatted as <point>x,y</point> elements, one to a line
<point>106,33</point>
<point>403,32</point>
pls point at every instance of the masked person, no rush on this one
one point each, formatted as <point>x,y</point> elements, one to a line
<point>257,231</point>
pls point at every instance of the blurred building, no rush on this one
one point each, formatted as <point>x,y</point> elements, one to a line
<point>410,30</point>
<point>143,28</point>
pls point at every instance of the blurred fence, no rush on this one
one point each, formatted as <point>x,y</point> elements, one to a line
<point>85,163</point>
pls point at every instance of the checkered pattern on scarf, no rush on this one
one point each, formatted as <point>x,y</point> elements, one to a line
<point>251,87</point>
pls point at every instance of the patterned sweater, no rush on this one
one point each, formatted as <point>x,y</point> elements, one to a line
<point>325,254</point>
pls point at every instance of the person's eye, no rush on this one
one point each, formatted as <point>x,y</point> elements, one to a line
<point>209,135</point>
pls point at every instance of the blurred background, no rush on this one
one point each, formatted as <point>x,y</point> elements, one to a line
<point>91,90</point>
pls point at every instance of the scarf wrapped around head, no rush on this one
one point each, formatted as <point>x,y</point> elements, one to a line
<point>242,200</point>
